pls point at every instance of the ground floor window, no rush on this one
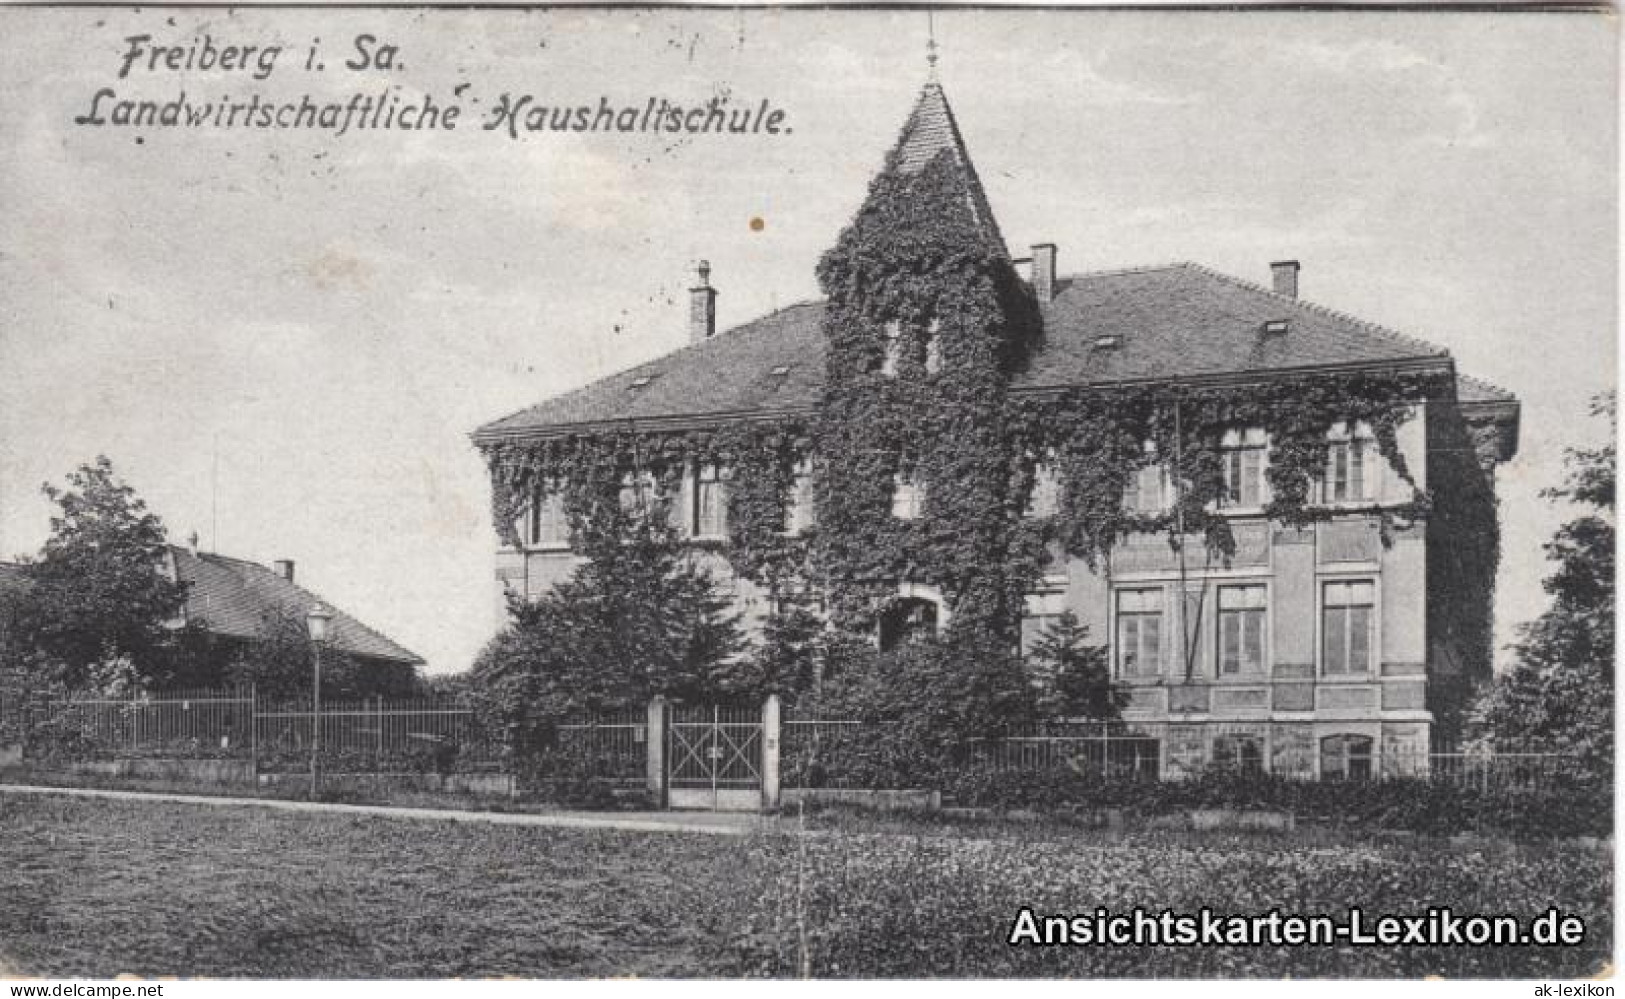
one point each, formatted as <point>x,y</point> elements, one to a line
<point>1345,757</point>
<point>908,621</point>
<point>1238,754</point>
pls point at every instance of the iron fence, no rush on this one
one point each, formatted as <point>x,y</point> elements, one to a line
<point>846,753</point>
<point>373,736</point>
<point>608,746</point>
<point>201,723</point>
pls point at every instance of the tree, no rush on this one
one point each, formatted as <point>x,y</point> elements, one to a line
<point>1559,695</point>
<point>925,703</point>
<point>639,618</point>
<point>280,663</point>
<point>96,594</point>
<point>1073,677</point>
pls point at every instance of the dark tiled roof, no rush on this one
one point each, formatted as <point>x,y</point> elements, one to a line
<point>233,596</point>
<point>1476,390</point>
<point>1177,321</point>
<point>931,130</point>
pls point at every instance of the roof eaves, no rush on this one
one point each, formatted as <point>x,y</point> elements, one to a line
<point>682,421</point>
<point>1440,364</point>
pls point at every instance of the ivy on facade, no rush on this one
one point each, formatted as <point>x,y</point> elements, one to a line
<point>926,324</point>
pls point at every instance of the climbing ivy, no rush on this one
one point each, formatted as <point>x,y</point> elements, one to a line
<point>920,270</point>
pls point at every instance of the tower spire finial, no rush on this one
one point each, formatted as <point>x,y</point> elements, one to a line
<point>931,44</point>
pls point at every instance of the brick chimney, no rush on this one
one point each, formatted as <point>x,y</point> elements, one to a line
<point>284,568</point>
<point>1285,273</point>
<point>702,307</point>
<point>1044,272</point>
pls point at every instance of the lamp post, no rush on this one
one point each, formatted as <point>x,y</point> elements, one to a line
<point>317,620</point>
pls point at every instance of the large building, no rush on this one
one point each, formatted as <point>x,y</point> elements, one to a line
<point>1280,518</point>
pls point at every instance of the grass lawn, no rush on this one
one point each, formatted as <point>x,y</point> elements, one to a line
<point>98,888</point>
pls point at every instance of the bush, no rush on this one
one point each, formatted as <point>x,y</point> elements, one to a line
<point>1556,808</point>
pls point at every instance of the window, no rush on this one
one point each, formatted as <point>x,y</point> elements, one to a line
<point>892,349</point>
<point>1043,610</point>
<point>1345,757</point>
<point>1045,499</point>
<point>1348,620</point>
<point>803,512</point>
<point>1350,466</point>
<point>1238,754</point>
<point>1147,490</point>
<point>1241,629</point>
<point>1139,632</point>
<point>711,502</point>
<point>546,523</point>
<point>908,621</point>
<point>933,348</point>
<point>1243,454</point>
<point>907,498</point>
<point>638,493</point>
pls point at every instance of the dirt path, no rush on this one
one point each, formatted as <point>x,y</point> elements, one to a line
<point>714,823</point>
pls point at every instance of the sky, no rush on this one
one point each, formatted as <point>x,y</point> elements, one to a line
<point>282,339</point>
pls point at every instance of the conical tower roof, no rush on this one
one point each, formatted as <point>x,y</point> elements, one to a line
<point>929,131</point>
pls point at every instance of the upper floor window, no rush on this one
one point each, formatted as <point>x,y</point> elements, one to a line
<point>803,512</point>
<point>711,502</point>
<point>933,348</point>
<point>1348,625</point>
<point>1147,490</point>
<point>1139,632</point>
<point>1041,613</point>
<point>1350,466</point>
<point>1244,455</point>
<point>907,498</point>
<point>638,493</point>
<point>892,349</point>
<point>1241,629</point>
<point>546,523</point>
<point>1045,500</point>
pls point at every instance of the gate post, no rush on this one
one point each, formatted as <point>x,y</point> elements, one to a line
<point>654,743</point>
<point>770,752</point>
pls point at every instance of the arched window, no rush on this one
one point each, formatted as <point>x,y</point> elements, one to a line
<point>907,621</point>
<point>1345,757</point>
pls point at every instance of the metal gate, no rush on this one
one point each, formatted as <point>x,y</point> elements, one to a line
<point>714,758</point>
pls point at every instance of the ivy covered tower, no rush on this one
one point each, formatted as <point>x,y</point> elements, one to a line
<point>926,320</point>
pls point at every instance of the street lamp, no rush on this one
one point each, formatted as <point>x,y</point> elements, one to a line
<point>317,620</point>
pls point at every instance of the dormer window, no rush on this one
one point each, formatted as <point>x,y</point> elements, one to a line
<point>781,371</point>
<point>1108,341</point>
<point>1275,327</point>
<point>643,380</point>
<point>907,498</point>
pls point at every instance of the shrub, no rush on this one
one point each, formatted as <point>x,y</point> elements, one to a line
<point>1554,809</point>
